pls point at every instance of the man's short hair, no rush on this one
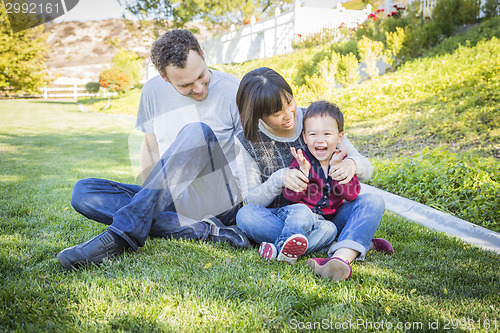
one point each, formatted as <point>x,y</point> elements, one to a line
<point>172,48</point>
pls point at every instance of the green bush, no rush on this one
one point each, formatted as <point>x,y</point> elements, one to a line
<point>394,41</point>
<point>309,67</point>
<point>345,48</point>
<point>465,184</point>
<point>449,14</point>
<point>486,30</point>
<point>347,71</point>
<point>115,80</point>
<point>92,87</point>
<point>491,8</point>
<point>370,51</point>
<point>129,63</point>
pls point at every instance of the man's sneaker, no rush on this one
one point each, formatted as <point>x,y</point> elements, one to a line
<point>267,251</point>
<point>294,247</point>
<point>231,234</point>
<point>95,250</point>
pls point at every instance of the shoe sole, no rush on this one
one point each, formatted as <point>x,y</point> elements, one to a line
<point>267,251</point>
<point>335,269</point>
<point>294,247</point>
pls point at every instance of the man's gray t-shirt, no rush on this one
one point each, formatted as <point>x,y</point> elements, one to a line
<point>164,112</point>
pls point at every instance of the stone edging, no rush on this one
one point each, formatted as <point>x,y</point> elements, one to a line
<point>438,220</point>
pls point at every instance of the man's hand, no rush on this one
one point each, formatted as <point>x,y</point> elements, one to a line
<point>342,169</point>
<point>304,164</point>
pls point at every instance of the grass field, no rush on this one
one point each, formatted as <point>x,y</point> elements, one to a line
<point>184,286</point>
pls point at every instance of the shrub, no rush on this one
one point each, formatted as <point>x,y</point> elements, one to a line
<point>491,8</point>
<point>328,70</point>
<point>449,14</point>
<point>347,71</point>
<point>345,48</point>
<point>309,67</point>
<point>92,87</point>
<point>370,52</point>
<point>465,185</point>
<point>394,42</point>
<point>115,80</point>
<point>486,30</point>
<point>317,86</point>
<point>129,63</point>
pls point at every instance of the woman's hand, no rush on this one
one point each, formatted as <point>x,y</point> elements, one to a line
<point>294,180</point>
<point>342,169</point>
<point>304,164</point>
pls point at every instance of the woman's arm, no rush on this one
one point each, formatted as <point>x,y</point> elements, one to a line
<point>252,189</point>
<point>353,164</point>
<point>263,194</point>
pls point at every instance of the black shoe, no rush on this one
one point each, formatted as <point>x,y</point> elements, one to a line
<point>230,234</point>
<point>102,246</point>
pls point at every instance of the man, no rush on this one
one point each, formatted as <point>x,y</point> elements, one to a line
<point>189,117</point>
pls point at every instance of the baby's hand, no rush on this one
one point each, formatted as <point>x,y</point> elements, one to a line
<point>304,164</point>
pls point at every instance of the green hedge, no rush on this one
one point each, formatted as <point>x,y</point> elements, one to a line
<point>465,184</point>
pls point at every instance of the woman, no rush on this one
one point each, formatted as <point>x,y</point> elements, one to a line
<point>272,124</point>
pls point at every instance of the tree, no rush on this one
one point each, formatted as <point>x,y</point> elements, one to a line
<point>22,58</point>
<point>129,63</point>
<point>222,13</point>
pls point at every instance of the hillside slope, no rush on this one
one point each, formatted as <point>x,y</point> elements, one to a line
<point>82,49</point>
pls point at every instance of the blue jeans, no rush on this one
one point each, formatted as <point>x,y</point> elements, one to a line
<point>355,224</point>
<point>275,225</point>
<point>191,180</point>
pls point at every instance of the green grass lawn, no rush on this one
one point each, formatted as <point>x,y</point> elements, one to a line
<point>186,286</point>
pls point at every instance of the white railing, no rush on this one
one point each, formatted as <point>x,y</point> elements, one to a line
<point>63,91</point>
<point>310,21</point>
<point>73,91</point>
<point>426,7</point>
<point>261,39</point>
<point>275,35</point>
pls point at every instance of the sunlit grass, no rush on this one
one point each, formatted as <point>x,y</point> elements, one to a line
<point>187,286</point>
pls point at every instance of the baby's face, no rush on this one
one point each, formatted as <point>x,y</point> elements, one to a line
<point>321,134</point>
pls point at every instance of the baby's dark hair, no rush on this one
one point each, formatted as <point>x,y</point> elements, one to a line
<point>324,108</point>
<point>172,48</point>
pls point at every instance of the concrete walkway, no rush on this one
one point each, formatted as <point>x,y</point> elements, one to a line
<point>437,220</point>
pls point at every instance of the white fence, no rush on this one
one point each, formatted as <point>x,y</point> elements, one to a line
<point>257,40</point>
<point>73,91</point>
<point>275,35</point>
<point>310,20</point>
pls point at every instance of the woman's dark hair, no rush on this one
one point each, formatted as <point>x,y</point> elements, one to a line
<point>173,48</point>
<point>324,108</point>
<point>261,93</point>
